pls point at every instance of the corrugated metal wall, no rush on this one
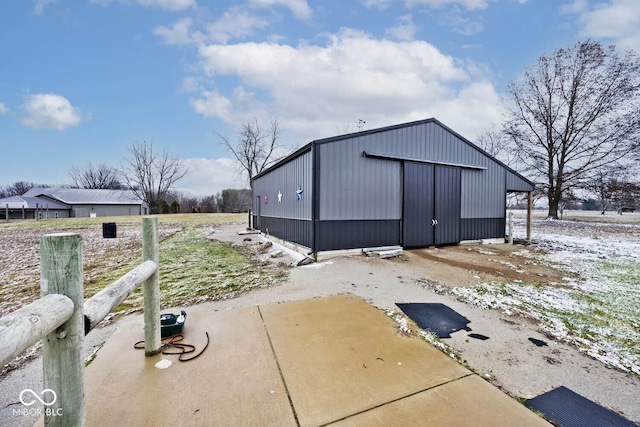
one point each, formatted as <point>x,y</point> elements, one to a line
<point>286,180</point>
<point>356,187</point>
<point>353,187</point>
<point>515,183</point>
<point>105,210</point>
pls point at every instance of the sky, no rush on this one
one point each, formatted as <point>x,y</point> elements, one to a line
<point>82,80</point>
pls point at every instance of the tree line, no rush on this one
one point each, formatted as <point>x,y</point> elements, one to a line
<point>228,200</point>
<point>152,177</point>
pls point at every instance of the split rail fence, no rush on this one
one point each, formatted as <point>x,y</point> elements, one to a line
<point>61,318</point>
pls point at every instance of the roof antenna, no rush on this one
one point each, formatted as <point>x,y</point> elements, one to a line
<point>360,124</point>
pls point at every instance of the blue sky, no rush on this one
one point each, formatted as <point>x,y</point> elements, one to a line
<point>81,80</point>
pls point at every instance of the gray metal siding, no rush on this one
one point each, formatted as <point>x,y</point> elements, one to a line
<point>357,234</point>
<point>483,193</point>
<point>292,230</point>
<point>286,180</point>
<point>482,228</point>
<point>80,211</point>
<point>515,183</point>
<point>355,187</point>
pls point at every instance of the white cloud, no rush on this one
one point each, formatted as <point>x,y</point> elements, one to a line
<point>299,8</point>
<point>207,177</point>
<point>318,87</point>
<point>174,5</point>
<point>178,34</point>
<point>377,4</point>
<point>4,109</point>
<point>235,23</point>
<point>190,84</point>
<point>469,4</point>
<point>436,4</point>
<point>575,6</point>
<point>38,9</point>
<point>212,104</point>
<point>460,24</point>
<point>478,103</point>
<point>405,29</point>
<point>617,20</point>
<point>50,111</point>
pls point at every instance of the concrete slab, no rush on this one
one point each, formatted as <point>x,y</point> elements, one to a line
<point>469,401</point>
<point>308,363</point>
<point>340,356</point>
<point>234,382</point>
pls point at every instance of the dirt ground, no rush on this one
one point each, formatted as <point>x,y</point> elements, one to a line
<point>508,359</point>
<point>471,264</point>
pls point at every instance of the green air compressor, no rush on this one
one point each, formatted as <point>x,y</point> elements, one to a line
<point>171,324</point>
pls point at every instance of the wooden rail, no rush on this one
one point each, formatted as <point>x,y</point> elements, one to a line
<point>61,319</point>
<point>98,306</point>
<point>26,326</point>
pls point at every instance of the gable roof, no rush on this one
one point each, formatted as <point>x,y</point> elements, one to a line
<point>19,202</point>
<point>80,196</point>
<point>307,147</point>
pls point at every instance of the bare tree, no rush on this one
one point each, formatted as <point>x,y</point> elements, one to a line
<point>614,189</point>
<point>100,177</point>
<point>18,188</point>
<point>574,112</point>
<point>150,175</point>
<point>255,147</point>
<point>498,144</point>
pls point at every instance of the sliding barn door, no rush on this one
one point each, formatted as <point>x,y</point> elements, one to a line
<point>431,210</point>
<point>447,205</point>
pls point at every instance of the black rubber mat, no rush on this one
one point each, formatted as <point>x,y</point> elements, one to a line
<point>566,408</point>
<point>438,318</point>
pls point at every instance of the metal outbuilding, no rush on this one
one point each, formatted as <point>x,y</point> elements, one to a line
<point>415,184</point>
<point>24,207</point>
<point>92,202</point>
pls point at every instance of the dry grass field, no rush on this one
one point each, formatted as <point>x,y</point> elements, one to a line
<point>194,268</point>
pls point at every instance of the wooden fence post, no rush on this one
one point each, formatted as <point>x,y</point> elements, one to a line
<point>511,228</point>
<point>63,364</point>
<point>150,252</point>
<point>529,214</point>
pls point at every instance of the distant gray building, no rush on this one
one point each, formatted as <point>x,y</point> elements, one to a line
<point>23,207</point>
<point>72,202</point>
<point>416,184</point>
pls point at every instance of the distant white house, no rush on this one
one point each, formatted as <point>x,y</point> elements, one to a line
<point>71,202</point>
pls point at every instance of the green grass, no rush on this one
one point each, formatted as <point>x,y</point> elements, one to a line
<point>193,267</point>
<point>79,223</point>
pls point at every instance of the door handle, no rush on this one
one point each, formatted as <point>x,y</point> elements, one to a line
<point>434,222</point>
